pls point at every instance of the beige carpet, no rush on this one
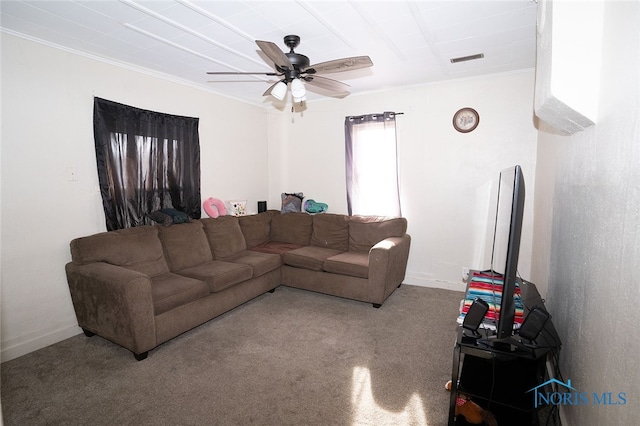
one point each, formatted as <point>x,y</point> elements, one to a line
<point>289,358</point>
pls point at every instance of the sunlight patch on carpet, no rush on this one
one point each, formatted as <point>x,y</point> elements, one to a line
<point>367,412</point>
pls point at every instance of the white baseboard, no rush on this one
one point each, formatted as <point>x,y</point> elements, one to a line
<point>446,285</point>
<point>22,348</point>
<point>422,281</point>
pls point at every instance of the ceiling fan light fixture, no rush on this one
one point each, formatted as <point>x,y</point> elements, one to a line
<point>279,90</point>
<point>297,89</point>
<point>299,100</point>
<point>295,68</point>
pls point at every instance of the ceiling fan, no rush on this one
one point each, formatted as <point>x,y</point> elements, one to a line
<point>294,68</point>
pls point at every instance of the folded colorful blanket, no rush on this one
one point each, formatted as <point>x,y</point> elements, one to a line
<point>488,287</point>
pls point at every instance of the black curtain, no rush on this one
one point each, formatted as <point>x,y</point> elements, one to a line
<point>146,161</point>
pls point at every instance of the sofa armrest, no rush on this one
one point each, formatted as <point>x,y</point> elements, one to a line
<point>115,303</point>
<point>387,266</point>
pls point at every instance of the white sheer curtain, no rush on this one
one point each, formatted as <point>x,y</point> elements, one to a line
<point>371,165</point>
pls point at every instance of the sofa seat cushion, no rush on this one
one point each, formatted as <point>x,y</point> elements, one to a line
<point>172,290</point>
<point>219,274</point>
<point>261,263</point>
<point>308,257</point>
<point>350,263</point>
<point>277,247</point>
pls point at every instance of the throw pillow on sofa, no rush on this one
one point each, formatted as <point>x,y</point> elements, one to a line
<point>169,216</point>
<point>291,203</point>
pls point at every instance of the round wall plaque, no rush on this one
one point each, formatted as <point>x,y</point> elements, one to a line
<point>466,120</point>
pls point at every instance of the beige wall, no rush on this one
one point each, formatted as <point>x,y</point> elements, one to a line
<point>587,232</point>
<point>47,107</point>
<point>47,99</point>
<point>445,176</point>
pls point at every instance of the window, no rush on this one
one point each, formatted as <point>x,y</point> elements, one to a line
<point>371,163</point>
<point>146,161</point>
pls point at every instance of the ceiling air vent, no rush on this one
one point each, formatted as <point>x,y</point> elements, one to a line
<point>467,58</point>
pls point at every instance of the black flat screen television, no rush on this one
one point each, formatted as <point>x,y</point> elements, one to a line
<point>506,243</point>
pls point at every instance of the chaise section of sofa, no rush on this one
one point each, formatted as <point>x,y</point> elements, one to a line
<point>140,287</point>
<point>359,257</point>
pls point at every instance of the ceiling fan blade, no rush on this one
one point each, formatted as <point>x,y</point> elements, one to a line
<point>274,53</point>
<point>327,83</point>
<point>241,73</point>
<point>340,65</point>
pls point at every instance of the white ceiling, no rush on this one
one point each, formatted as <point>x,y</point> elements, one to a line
<point>409,42</point>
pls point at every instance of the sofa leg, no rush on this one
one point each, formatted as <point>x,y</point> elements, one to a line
<point>399,285</point>
<point>376,305</point>
<point>272,290</point>
<point>140,357</point>
<point>88,333</point>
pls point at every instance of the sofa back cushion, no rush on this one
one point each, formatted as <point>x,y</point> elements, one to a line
<point>255,228</point>
<point>138,249</point>
<point>293,228</point>
<point>185,245</point>
<point>330,231</point>
<point>366,231</point>
<point>224,236</point>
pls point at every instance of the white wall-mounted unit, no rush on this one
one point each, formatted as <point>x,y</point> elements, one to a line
<point>569,46</point>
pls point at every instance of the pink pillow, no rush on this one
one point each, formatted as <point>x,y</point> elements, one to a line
<point>214,207</point>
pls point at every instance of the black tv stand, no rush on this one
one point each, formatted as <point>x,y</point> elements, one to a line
<point>498,374</point>
<point>471,334</point>
<point>504,345</point>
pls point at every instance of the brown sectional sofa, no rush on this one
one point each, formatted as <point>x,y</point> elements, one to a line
<point>140,287</point>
